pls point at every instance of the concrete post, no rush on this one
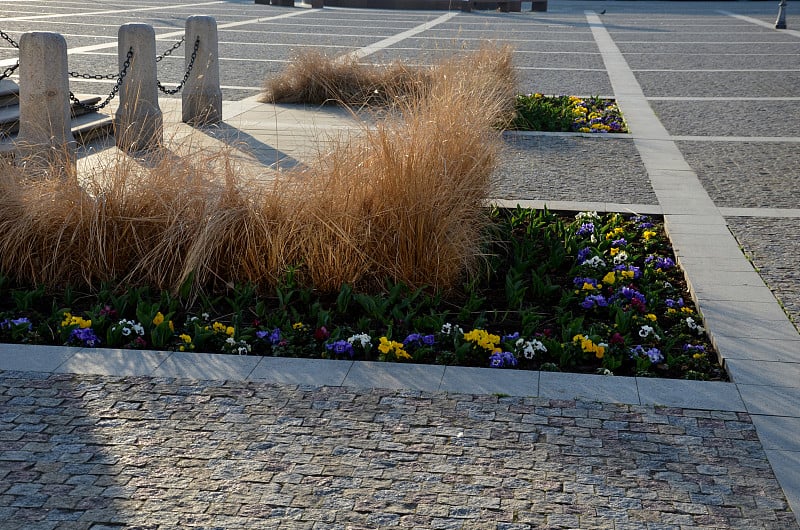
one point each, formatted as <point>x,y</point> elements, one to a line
<point>202,96</point>
<point>44,143</point>
<point>780,23</point>
<point>138,123</point>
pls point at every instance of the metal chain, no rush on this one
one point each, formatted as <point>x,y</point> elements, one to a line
<point>172,49</point>
<point>96,76</point>
<point>10,70</point>
<point>11,41</point>
<point>114,90</point>
<point>185,76</point>
<point>115,76</point>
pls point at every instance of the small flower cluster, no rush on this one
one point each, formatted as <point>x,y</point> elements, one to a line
<point>596,115</point>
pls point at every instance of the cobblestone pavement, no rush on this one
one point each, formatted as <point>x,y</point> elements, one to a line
<point>774,252</point>
<point>557,168</point>
<point>100,452</point>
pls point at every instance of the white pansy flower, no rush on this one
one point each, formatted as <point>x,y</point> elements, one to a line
<point>595,262</point>
<point>362,338</point>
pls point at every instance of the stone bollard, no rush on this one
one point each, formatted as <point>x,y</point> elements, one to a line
<point>202,96</point>
<point>138,123</point>
<point>44,143</point>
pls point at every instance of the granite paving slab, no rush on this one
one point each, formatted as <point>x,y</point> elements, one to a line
<point>34,358</point>
<point>686,48</point>
<point>467,380</point>
<point>253,455</point>
<point>106,361</point>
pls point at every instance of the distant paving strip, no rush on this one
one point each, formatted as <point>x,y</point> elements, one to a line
<point>80,450</point>
<point>701,61</point>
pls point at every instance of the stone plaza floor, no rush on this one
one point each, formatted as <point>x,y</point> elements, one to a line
<point>103,439</point>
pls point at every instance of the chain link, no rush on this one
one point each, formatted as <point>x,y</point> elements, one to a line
<point>10,70</point>
<point>177,89</point>
<point>114,90</point>
<point>168,52</point>
<point>96,76</point>
<point>6,37</point>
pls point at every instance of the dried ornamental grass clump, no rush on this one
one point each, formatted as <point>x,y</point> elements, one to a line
<point>407,196</point>
<point>401,202</point>
<point>316,78</point>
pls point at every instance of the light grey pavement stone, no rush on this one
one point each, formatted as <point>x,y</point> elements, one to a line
<point>776,374</point>
<point>34,358</point>
<point>704,395</point>
<point>609,389</point>
<point>369,374</point>
<point>317,372</point>
<point>467,380</point>
<point>771,401</point>
<point>104,361</point>
<point>206,366</point>
<point>786,464</point>
<point>757,349</point>
<point>777,433</point>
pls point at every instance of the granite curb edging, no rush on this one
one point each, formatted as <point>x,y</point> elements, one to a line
<point>701,395</point>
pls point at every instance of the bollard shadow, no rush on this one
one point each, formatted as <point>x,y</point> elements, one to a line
<point>233,137</point>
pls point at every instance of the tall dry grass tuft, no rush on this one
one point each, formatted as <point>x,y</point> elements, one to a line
<point>124,222</point>
<point>316,78</point>
<point>403,200</point>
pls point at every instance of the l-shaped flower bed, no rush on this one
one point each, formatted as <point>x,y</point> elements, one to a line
<point>587,293</point>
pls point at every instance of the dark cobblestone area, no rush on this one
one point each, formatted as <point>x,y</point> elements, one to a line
<point>746,175</point>
<point>559,168</point>
<point>719,84</point>
<point>729,118</point>
<point>698,61</point>
<point>772,245</point>
<point>102,452</point>
<point>689,48</point>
